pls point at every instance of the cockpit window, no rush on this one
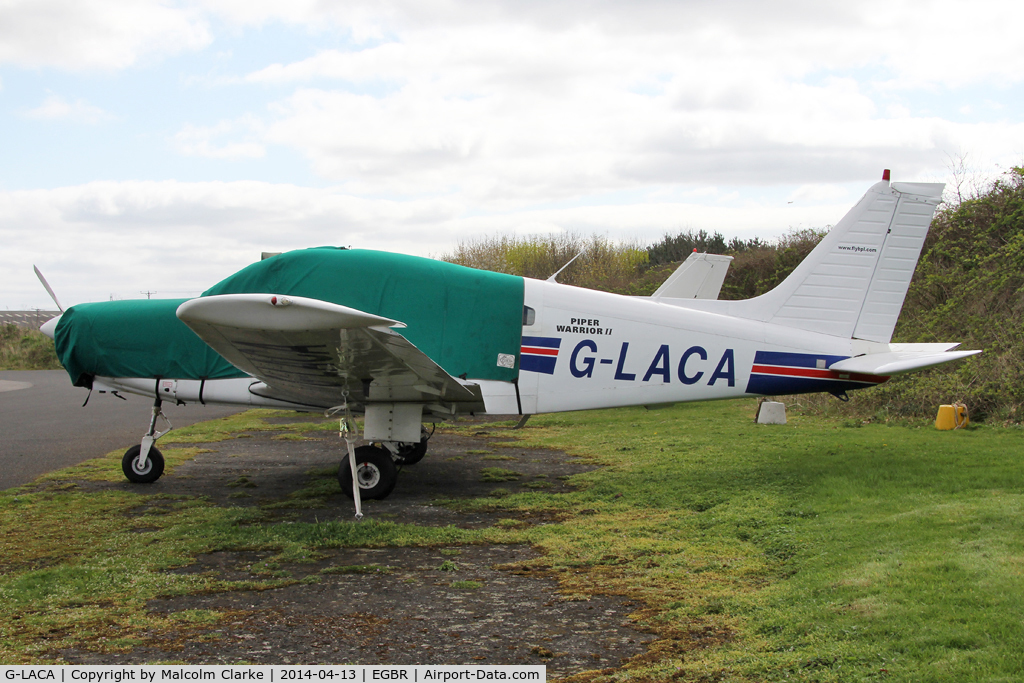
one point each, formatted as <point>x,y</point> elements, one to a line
<point>529,316</point>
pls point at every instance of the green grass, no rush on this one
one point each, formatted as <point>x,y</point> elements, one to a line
<point>498,474</point>
<point>813,551</point>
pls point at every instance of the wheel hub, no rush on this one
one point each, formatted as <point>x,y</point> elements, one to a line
<point>368,475</point>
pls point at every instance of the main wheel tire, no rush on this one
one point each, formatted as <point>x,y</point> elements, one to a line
<point>412,453</point>
<point>375,471</point>
<point>154,465</point>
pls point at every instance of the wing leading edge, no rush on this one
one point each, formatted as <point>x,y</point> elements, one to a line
<point>318,353</point>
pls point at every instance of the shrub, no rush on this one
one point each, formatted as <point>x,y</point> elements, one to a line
<point>22,349</point>
<point>601,264</point>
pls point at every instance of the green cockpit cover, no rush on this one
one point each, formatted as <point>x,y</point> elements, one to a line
<point>461,317</point>
<point>134,338</point>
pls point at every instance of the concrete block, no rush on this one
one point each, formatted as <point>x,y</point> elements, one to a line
<point>771,413</point>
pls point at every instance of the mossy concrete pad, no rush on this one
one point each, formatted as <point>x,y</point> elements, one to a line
<point>410,611</point>
<point>383,605</point>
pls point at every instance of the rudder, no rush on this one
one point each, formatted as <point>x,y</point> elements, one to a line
<point>898,260</point>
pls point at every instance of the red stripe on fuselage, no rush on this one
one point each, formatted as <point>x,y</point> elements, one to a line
<point>539,351</point>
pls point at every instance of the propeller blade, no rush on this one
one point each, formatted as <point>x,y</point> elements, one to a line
<point>46,285</point>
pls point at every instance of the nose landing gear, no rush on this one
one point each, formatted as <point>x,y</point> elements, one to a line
<point>142,472</point>
<point>144,464</point>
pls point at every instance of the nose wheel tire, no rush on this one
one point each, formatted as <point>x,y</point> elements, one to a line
<point>375,472</point>
<point>144,475</point>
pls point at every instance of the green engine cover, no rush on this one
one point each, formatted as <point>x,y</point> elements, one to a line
<point>461,317</point>
<point>134,338</point>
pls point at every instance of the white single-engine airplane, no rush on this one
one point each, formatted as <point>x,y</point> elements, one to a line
<point>406,340</point>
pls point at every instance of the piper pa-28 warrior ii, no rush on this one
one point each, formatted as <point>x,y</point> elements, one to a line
<point>404,340</point>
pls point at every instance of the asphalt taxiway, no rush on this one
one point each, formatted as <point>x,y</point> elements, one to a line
<point>43,425</point>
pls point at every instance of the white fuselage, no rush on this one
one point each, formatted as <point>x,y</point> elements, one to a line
<point>618,351</point>
<point>585,349</point>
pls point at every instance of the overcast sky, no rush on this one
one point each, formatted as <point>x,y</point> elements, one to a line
<point>161,145</point>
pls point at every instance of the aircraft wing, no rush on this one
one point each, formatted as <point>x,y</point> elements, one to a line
<point>902,358</point>
<point>314,352</point>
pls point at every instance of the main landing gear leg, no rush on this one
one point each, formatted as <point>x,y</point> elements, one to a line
<point>368,472</point>
<point>143,464</point>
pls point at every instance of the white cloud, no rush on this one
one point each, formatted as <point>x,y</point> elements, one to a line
<point>95,34</point>
<point>56,108</point>
<point>509,103</point>
<point>440,119</point>
<point>107,237</point>
<point>818,194</point>
<point>917,41</point>
<point>494,138</point>
<point>206,141</point>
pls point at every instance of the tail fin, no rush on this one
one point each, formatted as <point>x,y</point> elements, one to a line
<point>853,283</point>
<point>700,276</point>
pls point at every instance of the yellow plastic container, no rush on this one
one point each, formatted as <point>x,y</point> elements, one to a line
<point>952,417</point>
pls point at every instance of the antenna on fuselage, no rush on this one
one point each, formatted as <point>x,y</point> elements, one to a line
<point>552,278</point>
